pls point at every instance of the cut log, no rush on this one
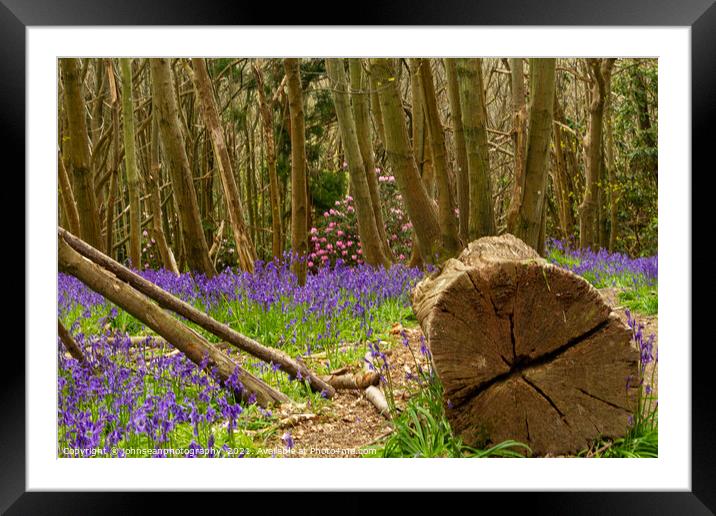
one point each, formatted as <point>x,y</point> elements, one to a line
<point>166,300</point>
<point>526,350</point>
<point>193,345</point>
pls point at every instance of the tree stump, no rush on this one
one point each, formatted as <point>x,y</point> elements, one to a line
<point>526,350</point>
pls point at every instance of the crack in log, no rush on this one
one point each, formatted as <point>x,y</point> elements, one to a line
<point>523,365</point>
<point>512,336</point>
<point>603,401</point>
<point>547,398</point>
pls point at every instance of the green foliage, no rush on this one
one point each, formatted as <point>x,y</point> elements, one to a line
<point>326,188</point>
<point>422,430</point>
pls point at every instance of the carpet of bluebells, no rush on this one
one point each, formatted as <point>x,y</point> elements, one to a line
<point>139,397</point>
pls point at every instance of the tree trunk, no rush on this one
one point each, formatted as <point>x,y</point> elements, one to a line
<point>168,301</point>
<point>114,167</point>
<point>244,246</point>
<point>155,201</point>
<point>79,153</point>
<point>519,137</point>
<point>193,238</point>
<point>461,174</point>
<point>270,146</point>
<point>361,115</point>
<point>367,228</point>
<point>612,185</point>
<point>68,199</point>
<point>474,121</point>
<point>446,205</point>
<point>526,350</point>
<point>601,70</point>
<point>130,165</point>
<point>375,105</point>
<point>529,218</point>
<point>299,201</point>
<point>186,340</point>
<point>419,206</point>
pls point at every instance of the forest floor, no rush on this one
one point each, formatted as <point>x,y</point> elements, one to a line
<point>352,427</point>
<point>148,396</point>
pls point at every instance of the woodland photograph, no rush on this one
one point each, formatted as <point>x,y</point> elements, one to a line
<point>357,257</point>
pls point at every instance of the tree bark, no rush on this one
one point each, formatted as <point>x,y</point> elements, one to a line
<point>474,121</point>
<point>130,164</point>
<point>270,147</point>
<point>299,184</point>
<point>367,228</point>
<point>155,200</point>
<point>519,137</point>
<point>79,153</point>
<point>68,198</point>
<point>361,115</point>
<point>461,174</point>
<point>612,185</point>
<point>194,240</point>
<point>418,204</point>
<point>526,350</point>
<point>244,246</point>
<point>186,340</point>
<point>166,300</point>
<point>601,70</point>
<point>529,218</point>
<point>446,204</point>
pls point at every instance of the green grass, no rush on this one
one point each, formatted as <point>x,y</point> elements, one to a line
<point>422,430</point>
<point>643,300</point>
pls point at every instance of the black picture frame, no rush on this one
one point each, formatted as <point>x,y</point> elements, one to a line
<point>700,15</point>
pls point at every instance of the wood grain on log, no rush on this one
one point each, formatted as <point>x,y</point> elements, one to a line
<point>526,350</point>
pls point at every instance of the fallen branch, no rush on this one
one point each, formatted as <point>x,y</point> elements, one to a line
<point>166,300</point>
<point>193,345</point>
<point>353,381</point>
<point>70,343</point>
<point>373,393</point>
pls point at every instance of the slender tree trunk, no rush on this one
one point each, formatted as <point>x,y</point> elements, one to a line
<point>461,174</point>
<point>197,251</point>
<point>472,96</point>
<point>519,137</point>
<point>299,205</point>
<point>79,153</point>
<point>419,206</point>
<point>244,246</point>
<point>361,115</point>
<point>566,165</point>
<point>267,124</point>
<point>375,105</point>
<point>367,228</point>
<point>601,75</point>
<point>130,164</point>
<point>529,219</point>
<point>611,172</point>
<point>155,201</point>
<point>446,205</point>
<point>68,198</point>
<point>114,167</point>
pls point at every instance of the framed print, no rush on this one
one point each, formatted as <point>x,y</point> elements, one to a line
<point>433,234</point>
